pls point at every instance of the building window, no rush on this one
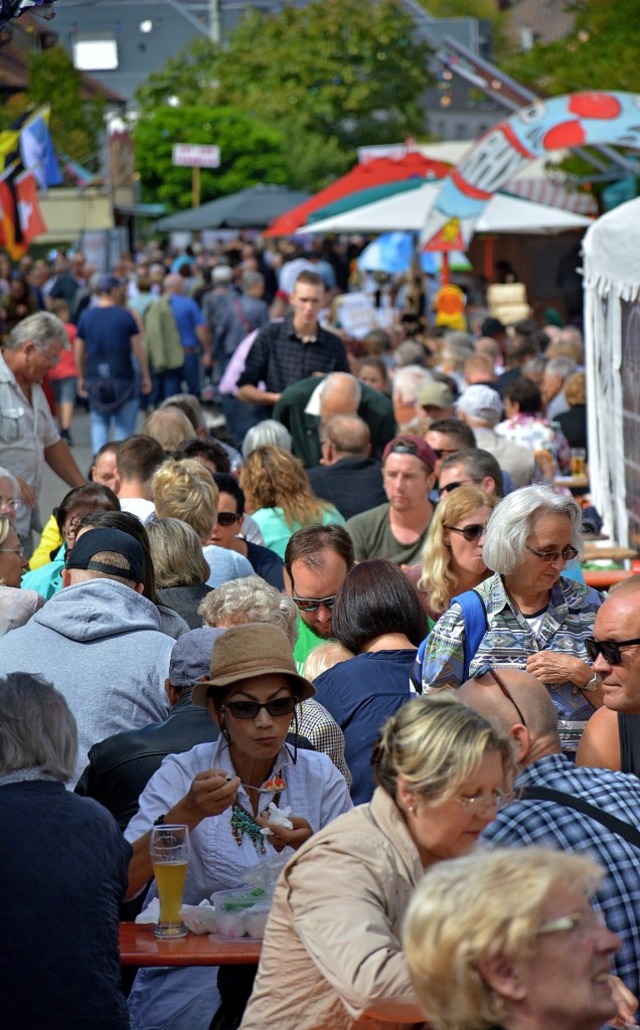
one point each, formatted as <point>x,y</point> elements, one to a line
<point>95,55</point>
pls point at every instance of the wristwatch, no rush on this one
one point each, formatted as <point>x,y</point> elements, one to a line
<point>593,683</point>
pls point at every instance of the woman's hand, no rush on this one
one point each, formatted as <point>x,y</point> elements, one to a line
<point>209,794</point>
<point>553,667</point>
<point>625,1000</point>
<point>280,837</point>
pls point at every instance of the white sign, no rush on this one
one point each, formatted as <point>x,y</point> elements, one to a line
<point>195,155</point>
<point>356,313</point>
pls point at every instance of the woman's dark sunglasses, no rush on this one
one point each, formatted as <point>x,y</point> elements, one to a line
<point>227,518</point>
<point>250,709</point>
<point>470,533</point>
<point>609,649</point>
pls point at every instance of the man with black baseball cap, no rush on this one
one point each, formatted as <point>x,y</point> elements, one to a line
<point>98,641</point>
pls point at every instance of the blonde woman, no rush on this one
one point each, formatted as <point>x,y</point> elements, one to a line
<point>185,490</point>
<point>180,567</point>
<point>340,901</point>
<point>452,557</point>
<point>279,497</point>
<point>16,605</point>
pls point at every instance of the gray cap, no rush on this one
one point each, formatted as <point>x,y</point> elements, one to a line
<point>481,402</point>
<point>191,656</point>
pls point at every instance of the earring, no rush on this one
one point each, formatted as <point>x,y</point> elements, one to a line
<point>411,808</point>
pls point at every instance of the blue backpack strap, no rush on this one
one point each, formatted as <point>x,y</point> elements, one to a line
<point>416,669</point>
<point>475,625</point>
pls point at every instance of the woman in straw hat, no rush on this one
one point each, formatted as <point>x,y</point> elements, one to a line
<point>216,790</point>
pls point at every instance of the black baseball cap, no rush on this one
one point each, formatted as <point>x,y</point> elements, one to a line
<point>94,541</point>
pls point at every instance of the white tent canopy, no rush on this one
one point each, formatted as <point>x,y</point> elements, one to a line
<point>407,211</point>
<point>611,250</point>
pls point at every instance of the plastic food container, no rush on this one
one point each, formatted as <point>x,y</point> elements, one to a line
<point>241,913</point>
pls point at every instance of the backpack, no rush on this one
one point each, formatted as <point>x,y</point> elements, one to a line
<point>475,626</point>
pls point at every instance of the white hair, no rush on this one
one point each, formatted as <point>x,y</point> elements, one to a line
<point>408,381</point>
<point>511,524</point>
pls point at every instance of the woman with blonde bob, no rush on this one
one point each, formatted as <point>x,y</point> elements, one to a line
<point>185,490</point>
<point>340,901</point>
<point>452,559</point>
<point>180,567</point>
<point>279,497</point>
<point>508,939</point>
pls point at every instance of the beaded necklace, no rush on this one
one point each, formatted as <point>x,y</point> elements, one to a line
<point>242,822</point>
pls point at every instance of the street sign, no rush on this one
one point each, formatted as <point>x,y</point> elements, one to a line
<point>195,155</point>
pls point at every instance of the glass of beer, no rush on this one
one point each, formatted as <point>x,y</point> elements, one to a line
<point>170,856</point>
<point>578,461</point>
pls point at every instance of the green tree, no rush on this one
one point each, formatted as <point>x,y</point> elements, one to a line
<point>250,153</point>
<point>600,53</point>
<point>187,76</point>
<point>75,122</point>
<point>343,69</point>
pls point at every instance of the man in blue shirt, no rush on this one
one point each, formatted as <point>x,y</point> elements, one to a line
<point>192,327</point>
<point>522,705</point>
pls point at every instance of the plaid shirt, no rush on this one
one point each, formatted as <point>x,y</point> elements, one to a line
<point>550,824</point>
<point>509,640</point>
<point>279,358</point>
<point>320,729</point>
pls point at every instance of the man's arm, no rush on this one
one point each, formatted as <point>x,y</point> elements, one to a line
<point>600,744</point>
<point>255,371</point>
<point>59,458</point>
<point>256,396</point>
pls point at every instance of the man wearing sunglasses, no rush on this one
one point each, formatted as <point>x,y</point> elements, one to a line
<point>611,739</point>
<point>316,563</point>
<point>521,705</point>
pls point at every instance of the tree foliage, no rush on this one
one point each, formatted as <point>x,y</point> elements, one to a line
<point>250,153</point>
<point>600,53</point>
<point>75,123</point>
<point>329,77</point>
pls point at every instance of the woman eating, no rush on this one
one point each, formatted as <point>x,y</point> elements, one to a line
<point>215,789</point>
<point>332,955</point>
<point>452,557</point>
<point>527,614</point>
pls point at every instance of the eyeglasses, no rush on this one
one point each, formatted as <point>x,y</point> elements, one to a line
<point>454,486</point>
<point>576,921</point>
<point>228,518</point>
<point>277,708</point>
<point>565,555</point>
<point>20,551</point>
<point>7,505</point>
<point>500,683</point>
<point>470,533</point>
<point>483,802</point>
<point>440,452</point>
<point>311,604</point>
<point>609,649</point>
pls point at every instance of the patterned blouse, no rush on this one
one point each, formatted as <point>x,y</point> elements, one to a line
<point>510,639</point>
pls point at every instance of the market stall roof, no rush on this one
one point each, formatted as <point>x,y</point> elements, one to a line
<point>252,208</point>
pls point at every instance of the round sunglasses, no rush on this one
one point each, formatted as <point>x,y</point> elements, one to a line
<point>470,533</point>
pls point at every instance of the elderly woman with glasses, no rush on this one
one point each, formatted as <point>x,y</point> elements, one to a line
<point>16,605</point>
<point>527,614</point>
<point>222,791</point>
<point>332,955</point>
<point>508,940</point>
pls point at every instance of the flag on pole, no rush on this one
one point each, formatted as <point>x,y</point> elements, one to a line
<point>36,149</point>
<point>30,217</point>
<point>20,215</point>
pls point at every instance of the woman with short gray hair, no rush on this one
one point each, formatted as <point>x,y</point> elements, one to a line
<point>528,615</point>
<point>64,872</point>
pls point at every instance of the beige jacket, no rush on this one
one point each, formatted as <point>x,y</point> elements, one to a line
<point>332,957</point>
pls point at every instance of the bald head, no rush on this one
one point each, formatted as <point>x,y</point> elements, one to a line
<point>341,395</point>
<point>173,283</point>
<point>347,435</point>
<point>536,710</point>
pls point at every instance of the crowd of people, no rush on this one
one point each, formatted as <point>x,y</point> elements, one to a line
<point>307,572</point>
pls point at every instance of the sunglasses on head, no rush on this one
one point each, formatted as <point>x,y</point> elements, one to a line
<point>470,533</point>
<point>227,518</point>
<point>609,649</point>
<point>311,604</point>
<point>249,709</point>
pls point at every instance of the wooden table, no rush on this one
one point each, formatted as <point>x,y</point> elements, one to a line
<point>140,947</point>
